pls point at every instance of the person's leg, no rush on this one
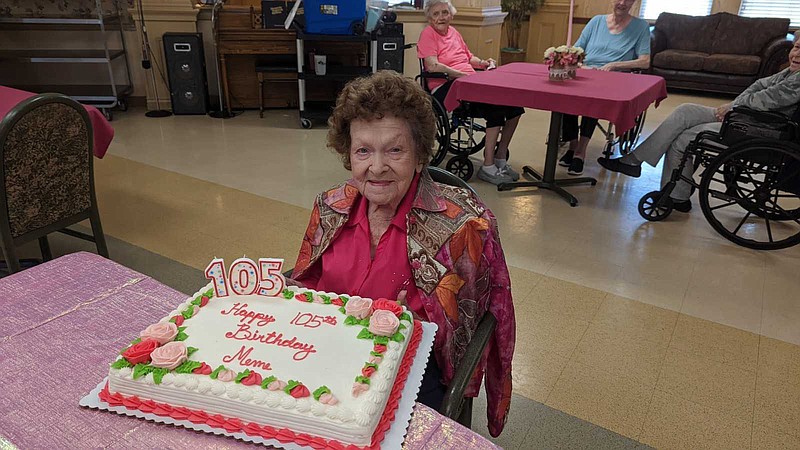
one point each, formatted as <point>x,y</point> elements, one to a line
<point>588,124</point>
<point>512,120</point>
<point>431,392</point>
<point>495,119</point>
<point>569,133</point>
<point>684,117</point>
<point>683,190</point>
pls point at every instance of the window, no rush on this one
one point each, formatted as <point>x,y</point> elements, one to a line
<point>652,8</point>
<point>772,8</point>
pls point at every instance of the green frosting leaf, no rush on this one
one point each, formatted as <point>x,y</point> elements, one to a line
<point>267,381</point>
<point>136,341</point>
<point>242,375</point>
<point>344,299</point>
<point>376,354</point>
<point>364,322</point>
<point>342,310</point>
<point>351,320</point>
<point>181,336</point>
<point>287,294</point>
<point>320,391</point>
<point>141,370</point>
<point>158,374</point>
<point>362,379</point>
<point>188,367</point>
<point>190,350</point>
<point>291,385</point>
<point>398,337</point>
<point>373,365</point>
<point>120,363</point>
<point>402,327</point>
<point>365,334</point>
<point>309,297</point>
<point>383,340</point>
<point>209,293</point>
<point>325,299</point>
<point>197,301</point>
<point>181,329</point>
<point>215,373</point>
<point>406,316</point>
<point>188,312</point>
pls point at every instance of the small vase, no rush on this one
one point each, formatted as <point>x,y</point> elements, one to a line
<point>572,71</point>
<point>558,73</point>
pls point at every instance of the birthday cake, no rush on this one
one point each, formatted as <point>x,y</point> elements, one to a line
<point>283,363</point>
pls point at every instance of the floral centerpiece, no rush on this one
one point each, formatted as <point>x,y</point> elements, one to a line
<point>563,61</point>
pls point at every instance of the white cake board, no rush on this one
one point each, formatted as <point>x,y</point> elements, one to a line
<point>392,440</point>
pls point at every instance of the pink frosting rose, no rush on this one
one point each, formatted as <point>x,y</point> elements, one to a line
<point>169,356</point>
<point>328,399</point>
<point>162,332</point>
<point>383,323</point>
<point>375,359</point>
<point>360,308</point>
<point>276,385</point>
<point>359,388</point>
<point>226,375</point>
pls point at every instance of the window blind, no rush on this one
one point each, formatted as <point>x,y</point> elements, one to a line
<point>789,9</point>
<point>652,8</point>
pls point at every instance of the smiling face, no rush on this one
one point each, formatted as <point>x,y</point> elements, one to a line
<point>622,7</point>
<point>440,17</point>
<point>383,159</point>
<point>794,56</point>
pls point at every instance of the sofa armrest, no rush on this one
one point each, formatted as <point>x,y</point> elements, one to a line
<point>658,42</point>
<point>775,54</point>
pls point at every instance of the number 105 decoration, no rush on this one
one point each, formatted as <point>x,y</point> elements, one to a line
<point>246,277</point>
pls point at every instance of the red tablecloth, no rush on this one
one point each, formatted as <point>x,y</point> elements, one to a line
<point>614,96</point>
<point>103,133</point>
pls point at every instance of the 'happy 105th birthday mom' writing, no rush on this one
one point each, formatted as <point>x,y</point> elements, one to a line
<point>250,327</point>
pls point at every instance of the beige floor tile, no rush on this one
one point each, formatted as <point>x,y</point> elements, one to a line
<point>522,282</point>
<point>608,400</point>
<point>675,423</point>
<point>594,273</point>
<point>721,387</point>
<point>621,353</point>
<point>768,439</point>
<point>548,332</point>
<point>716,342</point>
<point>554,297</point>
<point>636,319</point>
<point>778,405</point>
<point>535,371</point>
<point>779,360</point>
<point>781,314</point>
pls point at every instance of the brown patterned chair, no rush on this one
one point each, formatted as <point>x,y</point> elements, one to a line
<point>720,53</point>
<point>47,175</point>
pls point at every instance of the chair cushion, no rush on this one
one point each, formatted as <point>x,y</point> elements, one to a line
<point>746,35</point>
<point>679,60</point>
<point>693,33</point>
<point>733,64</point>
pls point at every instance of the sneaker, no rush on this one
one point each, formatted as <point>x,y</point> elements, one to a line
<point>682,206</point>
<point>498,178</point>
<point>575,167</point>
<point>507,169</point>
<point>566,160</point>
<point>615,165</point>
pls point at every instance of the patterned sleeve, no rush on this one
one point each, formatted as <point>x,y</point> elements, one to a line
<point>772,93</point>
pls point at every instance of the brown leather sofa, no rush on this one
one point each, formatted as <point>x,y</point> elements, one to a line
<point>720,53</point>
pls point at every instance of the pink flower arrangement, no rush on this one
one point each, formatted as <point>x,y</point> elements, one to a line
<point>383,323</point>
<point>563,56</point>
<point>162,332</point>
<point>169,356</point>
<point>360,308</point>
<point>276,385</point>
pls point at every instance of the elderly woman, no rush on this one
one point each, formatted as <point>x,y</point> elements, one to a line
<point>616,41</point>
<point>391,232</point>
<point>777,93</point>
<point>442,49</point>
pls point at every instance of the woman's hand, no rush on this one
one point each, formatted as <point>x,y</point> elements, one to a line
<point>608,67</point>
<point>721,111</point>
<point>293,282</point>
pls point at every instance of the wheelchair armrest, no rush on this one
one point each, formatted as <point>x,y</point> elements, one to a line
<point>427,75</point>
<point>760,116</point>
<point>454,396</point>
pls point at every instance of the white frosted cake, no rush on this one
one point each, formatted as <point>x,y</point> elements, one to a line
<point>311,368</point>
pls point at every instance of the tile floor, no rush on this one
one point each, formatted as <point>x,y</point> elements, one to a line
<point>662,332</point>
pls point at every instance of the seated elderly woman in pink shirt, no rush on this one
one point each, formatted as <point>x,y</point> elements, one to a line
<point>442,49</point>
<point>392,232</point>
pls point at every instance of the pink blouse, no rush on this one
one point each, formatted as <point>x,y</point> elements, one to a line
<point>346,267</point>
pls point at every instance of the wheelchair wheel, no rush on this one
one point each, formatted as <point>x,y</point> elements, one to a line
<point>653,208</point>
<point>442,133</point>
<point>467,136</point>
<point>461,167</point>
<point>749,194</point>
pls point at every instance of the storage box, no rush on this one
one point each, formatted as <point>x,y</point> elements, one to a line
<point>334,16</point>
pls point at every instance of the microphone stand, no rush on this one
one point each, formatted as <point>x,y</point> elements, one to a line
<point>222,113</point>
<point>146,65</point>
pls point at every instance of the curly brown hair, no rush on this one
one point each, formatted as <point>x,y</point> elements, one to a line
<point>373,97</point>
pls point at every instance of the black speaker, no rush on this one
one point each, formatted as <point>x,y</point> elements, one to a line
<point>186,71</point>
<point>390,53</point>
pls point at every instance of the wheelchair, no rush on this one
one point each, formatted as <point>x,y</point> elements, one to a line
<point>749,189</point>
<point>462,132</point>
<point>624,143</point>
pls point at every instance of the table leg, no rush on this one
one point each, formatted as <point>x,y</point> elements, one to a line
<point>549,180</point>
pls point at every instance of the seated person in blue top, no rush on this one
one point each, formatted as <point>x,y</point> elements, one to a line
<point>616,41</point>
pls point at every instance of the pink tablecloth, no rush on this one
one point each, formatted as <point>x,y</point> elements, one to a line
<point>103,133</point>
<point>614,96</point>
<point>63,321</point>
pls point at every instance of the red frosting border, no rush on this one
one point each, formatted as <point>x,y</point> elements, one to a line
<point>284,435</point>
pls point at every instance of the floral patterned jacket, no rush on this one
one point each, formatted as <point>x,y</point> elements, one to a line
<point>460,272</point>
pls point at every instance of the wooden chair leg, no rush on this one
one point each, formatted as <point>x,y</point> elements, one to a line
<point>10,254</point>
<point>44,246</point>
<point>97,231</point>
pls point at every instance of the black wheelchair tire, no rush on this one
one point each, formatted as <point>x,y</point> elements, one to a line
<point>442,139</point>
<point>652,208</point>
<point>461,167</point>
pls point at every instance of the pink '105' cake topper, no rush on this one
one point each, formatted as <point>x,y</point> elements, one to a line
<point>245,277</point>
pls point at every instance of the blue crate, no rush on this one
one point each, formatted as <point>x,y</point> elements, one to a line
<point>333,16</point>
